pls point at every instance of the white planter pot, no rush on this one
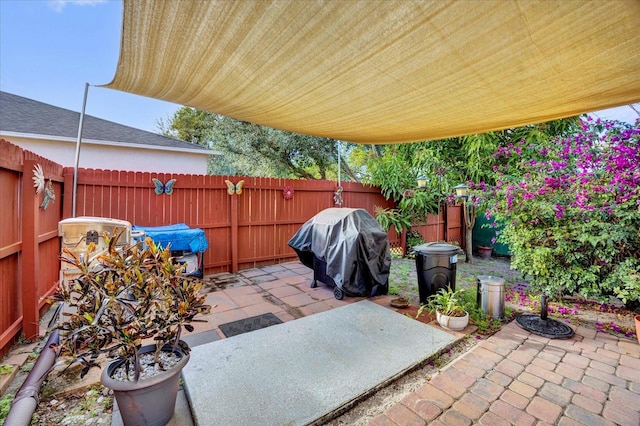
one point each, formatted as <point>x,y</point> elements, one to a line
<point>452,323</point>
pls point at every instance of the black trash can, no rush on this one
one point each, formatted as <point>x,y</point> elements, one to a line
<point>436,268</point>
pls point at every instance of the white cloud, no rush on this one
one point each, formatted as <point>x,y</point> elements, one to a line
<point>58,5</point>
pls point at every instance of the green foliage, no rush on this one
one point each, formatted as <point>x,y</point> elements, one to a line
<point>394,168</point>
<point>5,407</point>
<point>189,125</point>
<point>89,401</point>
<point>418,204</point>
<point>27,366</point>
<point>414,239</point>
<point>392,217</point>
<point>121,297</point>
<point>253,150</point>
<point>485,324</point>
<point>394,171</point>
<point>570,211</point>
<point>5,369</point>
<point>445,163</point>
<point>446,301</point>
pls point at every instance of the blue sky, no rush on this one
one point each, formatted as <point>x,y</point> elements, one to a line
<point>50,49</point>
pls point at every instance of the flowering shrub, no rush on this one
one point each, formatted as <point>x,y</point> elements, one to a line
<point>571,210</point>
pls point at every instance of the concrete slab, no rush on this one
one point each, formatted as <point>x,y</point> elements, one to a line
<point>302,371</point>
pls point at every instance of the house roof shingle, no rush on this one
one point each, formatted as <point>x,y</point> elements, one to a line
<point>28,116</point>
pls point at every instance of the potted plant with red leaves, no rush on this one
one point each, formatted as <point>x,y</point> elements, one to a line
<point>121,297</point>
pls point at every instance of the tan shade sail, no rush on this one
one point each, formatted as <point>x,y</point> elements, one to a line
<point>383,71</point>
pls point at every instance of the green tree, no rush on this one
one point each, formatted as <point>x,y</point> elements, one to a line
<point>445,163</point>
<point>189,125</point>
<point>254,150</point>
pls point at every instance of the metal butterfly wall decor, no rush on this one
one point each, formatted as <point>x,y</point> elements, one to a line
<point>163,188</point>
<point>234,189</point>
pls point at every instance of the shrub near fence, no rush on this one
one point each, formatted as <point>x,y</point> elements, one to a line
<point>245,229</point>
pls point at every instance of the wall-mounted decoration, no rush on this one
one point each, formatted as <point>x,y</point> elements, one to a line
<point>38,178</point>
<point>234,189</point>
<point>337,196</point>
<point>41,185</point>
<point>287,192</point>
<point>163,188</point>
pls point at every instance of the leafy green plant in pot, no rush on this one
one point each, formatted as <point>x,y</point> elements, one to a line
<point>121,297</point>
<point>448,306</point>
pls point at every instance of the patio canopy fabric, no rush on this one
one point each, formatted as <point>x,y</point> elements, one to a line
<point>384,71</point>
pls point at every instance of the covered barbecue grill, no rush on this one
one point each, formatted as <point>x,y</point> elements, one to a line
<point>347,249</point>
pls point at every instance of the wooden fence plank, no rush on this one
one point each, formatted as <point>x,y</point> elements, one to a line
<point>30,316</point>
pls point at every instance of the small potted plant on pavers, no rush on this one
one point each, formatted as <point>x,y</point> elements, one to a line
<point>447,304</point>
<point>121,297</point>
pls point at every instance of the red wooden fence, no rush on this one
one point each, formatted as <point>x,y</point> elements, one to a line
<point>29,243</point>
<point>446,226</point>
<point>243,230</point>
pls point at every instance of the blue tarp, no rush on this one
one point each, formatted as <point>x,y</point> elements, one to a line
<point>178,237</point>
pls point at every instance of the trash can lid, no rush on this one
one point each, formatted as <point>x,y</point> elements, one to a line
<point>436,248</point>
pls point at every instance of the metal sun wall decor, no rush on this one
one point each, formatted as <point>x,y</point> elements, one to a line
<point>41,185</point>
<point>234,189</point>
<point>287,192</point>
<point>163,188</point>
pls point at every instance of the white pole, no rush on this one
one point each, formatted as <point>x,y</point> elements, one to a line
<point>75,166</point>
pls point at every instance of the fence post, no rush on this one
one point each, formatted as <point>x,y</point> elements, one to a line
<point>29,261</point>
<point>67,196</point>
<point>446,222</point>
<point>234,233</point>
<point>403,242</point>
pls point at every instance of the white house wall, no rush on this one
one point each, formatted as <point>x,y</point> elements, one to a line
<point>112,157</point>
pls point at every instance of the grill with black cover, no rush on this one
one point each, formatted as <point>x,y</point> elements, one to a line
<point>347,249</point>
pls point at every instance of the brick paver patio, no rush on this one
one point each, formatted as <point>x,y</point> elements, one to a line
<point>520,378</point>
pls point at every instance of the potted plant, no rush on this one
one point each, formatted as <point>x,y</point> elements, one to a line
<point>447,304</point>
<point>122,297</point>
<point>485,252</point>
